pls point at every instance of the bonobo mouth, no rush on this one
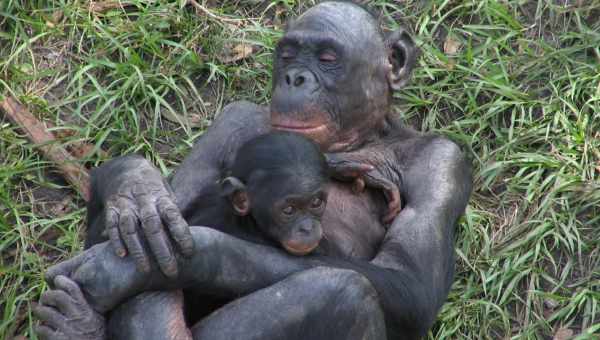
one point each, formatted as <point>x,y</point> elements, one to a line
<point>304,129</point>
<point>309,123</point>
<point>298,250</point>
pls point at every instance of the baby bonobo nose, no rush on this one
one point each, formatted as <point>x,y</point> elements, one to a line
<point>306,228</point>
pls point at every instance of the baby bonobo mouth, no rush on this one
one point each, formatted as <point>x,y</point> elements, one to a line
<point>299,250</point>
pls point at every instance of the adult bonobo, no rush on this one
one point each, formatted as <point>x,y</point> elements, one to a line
<point>334,75</point>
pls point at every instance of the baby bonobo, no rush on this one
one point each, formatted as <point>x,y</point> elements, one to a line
<point>277,190</point>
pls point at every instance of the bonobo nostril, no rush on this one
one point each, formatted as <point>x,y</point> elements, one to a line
<point>305,229</point>
<point>299,80</point>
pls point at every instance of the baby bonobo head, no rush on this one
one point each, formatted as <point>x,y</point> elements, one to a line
<point>280,180</point>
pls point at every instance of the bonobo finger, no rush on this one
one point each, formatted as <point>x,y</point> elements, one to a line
<point>157,239</point>
<point>49,316</point>
<point>70,287</point>
<point>112,227</point>
<point>66,268</point>
<point>390,191</point>
<point>358,185</point>
<point>44,332</point>
<point>178,227</point>
<point>61,301</point>
<point>345,168</point>
<point>128,227</point>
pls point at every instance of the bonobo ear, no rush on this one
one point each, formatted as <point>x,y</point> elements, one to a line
<point>402,56</point>
<point>238,196</point>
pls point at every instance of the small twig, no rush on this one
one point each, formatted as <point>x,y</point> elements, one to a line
<point>75,174</point>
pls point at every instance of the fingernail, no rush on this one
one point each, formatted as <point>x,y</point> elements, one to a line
<point>171,270</point>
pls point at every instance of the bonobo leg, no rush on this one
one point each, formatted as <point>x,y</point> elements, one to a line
<point>319,303</point>
<point>151,315</point>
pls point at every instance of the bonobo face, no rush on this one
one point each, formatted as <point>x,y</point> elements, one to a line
<point>291,214</point>
<point>280,179</point>
<point>332,75</point>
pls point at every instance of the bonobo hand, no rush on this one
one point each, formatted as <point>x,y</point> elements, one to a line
<point>65,314</point>
<point>144,199</point>
<point>370,173</point>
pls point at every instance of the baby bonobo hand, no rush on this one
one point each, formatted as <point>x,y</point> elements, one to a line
<point>368,170</point>
<point>65,314</point>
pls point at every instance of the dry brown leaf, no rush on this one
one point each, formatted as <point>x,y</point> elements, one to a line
<point>237,53</point>
<point>563,334</point>
<point>451,45</point>
<point>104,6</point>
<point>62,208</point>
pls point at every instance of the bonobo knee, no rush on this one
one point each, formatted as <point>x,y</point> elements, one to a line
<point>346,285</point>
<point>351,298</point>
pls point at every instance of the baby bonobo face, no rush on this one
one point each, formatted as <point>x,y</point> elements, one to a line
<point>296,221</point>
<point>280,180</point>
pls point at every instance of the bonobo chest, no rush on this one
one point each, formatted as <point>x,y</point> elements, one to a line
<point>352,222</point>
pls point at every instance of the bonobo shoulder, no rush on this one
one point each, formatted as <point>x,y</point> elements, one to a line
<point>242,114</point>
<point>447,148</point>
<point>428,146</point>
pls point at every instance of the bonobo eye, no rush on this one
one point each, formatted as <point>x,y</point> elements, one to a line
<point>287,54</point>
<point>317,202</point>
<point>328,57</point>
<point>289,210</point>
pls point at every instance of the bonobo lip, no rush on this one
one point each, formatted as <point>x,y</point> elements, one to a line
<point>300,251</point>
<point>300,128</point>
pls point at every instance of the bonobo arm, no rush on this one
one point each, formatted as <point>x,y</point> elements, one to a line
<point>435,181</point>
<point>129,191</point>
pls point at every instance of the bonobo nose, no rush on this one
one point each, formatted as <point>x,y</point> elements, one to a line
<point>307,228</point>
<point>301,79</point>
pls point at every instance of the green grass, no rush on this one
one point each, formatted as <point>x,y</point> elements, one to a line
<point>521,93</point>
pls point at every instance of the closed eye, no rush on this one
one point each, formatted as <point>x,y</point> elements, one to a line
<point>287,55</point>
<point>327,57</point>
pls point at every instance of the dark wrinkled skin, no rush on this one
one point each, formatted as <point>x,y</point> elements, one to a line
<point>392,290</point>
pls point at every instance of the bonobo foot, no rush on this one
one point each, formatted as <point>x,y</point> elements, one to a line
<point>105,278</point>
<point>65,314</point>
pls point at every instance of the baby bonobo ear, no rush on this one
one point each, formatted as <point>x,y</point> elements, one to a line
<point>235,190</point>
<point>402,56</point>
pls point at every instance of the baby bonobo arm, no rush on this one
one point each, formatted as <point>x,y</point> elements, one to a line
<point>65,314</point>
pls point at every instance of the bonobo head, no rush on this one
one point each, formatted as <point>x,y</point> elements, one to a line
<point>279,179</point>
<point>334,74</point>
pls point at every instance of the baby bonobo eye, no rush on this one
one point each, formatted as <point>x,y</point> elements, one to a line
<point>289,210</point>
<point>316,202</point>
